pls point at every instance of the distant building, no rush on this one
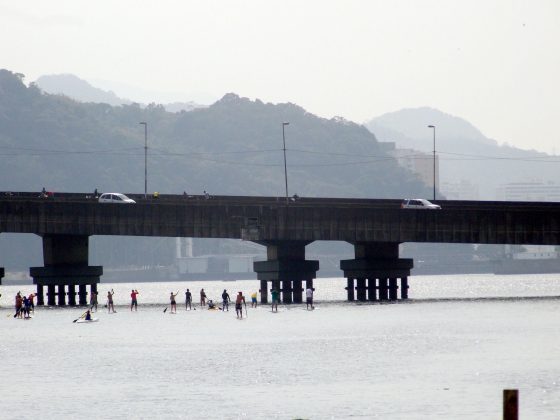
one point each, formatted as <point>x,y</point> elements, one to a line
<point>420,163</point>
<point>462,190</point>
<point>529,191</point>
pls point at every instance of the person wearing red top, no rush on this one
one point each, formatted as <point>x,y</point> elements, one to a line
<point>134,302</point>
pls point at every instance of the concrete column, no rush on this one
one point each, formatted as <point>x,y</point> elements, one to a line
<point>297,291</point>
<point>350,289</point>
<point>286,268</point>
<point>286,291</point>
<point>372,288</point>
<point>383,289</point>
<point>404,288</point>
<point>61,295</point>
<point>264,291</point>
<point>72,294</point>
<point>361,289</point>
<point>82,294</point>
<point>377,260</point>
<point>40,295</point>
<point>51,295</point>
<point>393,288</point>
<point>1,274</point>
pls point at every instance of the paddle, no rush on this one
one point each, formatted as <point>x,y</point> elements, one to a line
<point>84,314</point>
<point>246,316</point>
<point>165,310</point>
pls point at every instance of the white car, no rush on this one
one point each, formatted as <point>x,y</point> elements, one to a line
<point>115,198</point>
<point>419,203</point>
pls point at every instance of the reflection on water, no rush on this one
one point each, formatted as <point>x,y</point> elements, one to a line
<point>447,353</point>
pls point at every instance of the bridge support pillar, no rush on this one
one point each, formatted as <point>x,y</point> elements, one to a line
<point>264,291</point>
<point>66,264</point>
<point>286,268</point>
<point>372,289</point>
<point>72,294</point>
<point>1,274</point>
<point>377,262</point>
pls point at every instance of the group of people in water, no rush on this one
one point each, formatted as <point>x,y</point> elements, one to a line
<point>24,305</point>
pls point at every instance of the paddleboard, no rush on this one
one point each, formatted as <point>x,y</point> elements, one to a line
<point>85,321</point>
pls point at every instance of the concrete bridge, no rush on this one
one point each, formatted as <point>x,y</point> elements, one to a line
<point>375,228</point>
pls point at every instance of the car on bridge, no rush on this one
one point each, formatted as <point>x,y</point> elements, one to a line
<point>419,203</point>
<point>115,198</point>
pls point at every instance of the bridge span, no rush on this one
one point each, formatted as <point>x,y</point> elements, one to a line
<point>374,226</point>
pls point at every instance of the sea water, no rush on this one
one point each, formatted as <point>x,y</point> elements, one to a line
<point>446,353</point>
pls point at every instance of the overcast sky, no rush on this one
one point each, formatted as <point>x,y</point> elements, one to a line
<point>494,63</point>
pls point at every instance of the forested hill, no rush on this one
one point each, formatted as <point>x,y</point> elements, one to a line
<point>231,147</point>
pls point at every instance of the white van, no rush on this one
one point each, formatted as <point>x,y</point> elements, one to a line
<point>115,198</point>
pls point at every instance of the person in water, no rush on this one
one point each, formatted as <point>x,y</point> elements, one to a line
<point>110,306</point>
<point>88,316</point>
<point>188,300</point>
<point>31,302</point>
<point>19,304</point>
<point>93,299</point>
<point>225,301</point>
<point>254,300</point>
<point>309,297</point>
<point>275,295</point>
<point>173,302</point>
<point>239,300</point>
<point>211,304</point>
<point>202,298</point>
<point>134,300</point>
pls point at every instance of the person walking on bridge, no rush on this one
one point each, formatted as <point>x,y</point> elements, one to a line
<point>134,300</point>
<point>225,301</point>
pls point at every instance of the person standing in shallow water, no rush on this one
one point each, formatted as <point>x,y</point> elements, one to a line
<point>202,298</point>
<point>225,300</point>
<point>188,300</point>
<point>93,300</point>
<point>275,296</point>
<point>239,301</point>
<point>173,302</point>
<point>254,300</point>
<point>309,298</point>
<point>110,306</point>
<point>134,300</point>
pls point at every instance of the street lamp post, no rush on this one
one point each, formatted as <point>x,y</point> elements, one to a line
<point>145,124</point>
<point>433,127</point>
<point>284,124</point>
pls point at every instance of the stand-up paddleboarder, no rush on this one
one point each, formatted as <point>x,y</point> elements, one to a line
<point>188,300</point>
<point>275,296</point>
<point>134,300</point>
<point>173,303</point>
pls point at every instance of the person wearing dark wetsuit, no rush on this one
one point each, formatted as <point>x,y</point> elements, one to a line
<point>225,301</point>
<point>188,300</point>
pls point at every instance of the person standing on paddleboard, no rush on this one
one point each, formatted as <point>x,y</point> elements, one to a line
<point>275,296</point>
<point>173,303</point>
<point>110,306</point>
<point>134,301</point>
<point>239,300</point>
<point>19,303</point>
<point>225,301</point>
<point>188,300</point>
<point>31,302</point>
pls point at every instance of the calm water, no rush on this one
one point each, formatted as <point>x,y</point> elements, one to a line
<point>446,354</point>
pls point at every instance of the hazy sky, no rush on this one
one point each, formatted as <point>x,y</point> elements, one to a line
<point>494,63</point>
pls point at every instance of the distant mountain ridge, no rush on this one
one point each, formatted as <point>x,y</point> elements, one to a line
<point>80,90</point>
<point>463,151</point>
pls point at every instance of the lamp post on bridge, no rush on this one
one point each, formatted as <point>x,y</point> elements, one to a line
<point>145,124</point>
<point>284,124</point>
<point>433,127</point>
